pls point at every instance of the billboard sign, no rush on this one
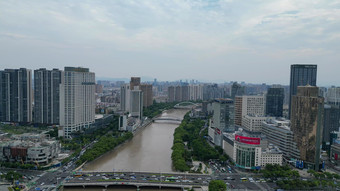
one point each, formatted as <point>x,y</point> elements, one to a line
<point>247,140</point>
<point>218,131</point>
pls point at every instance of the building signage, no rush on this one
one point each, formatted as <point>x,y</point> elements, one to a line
<point>247,140</point>
<point>218,131</point>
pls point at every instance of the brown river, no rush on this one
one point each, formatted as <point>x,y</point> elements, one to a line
<point>148,151</point>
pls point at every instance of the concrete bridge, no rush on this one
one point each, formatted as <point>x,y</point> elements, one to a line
<point>169,119</point>
<point>186,105</point>
<point>117,185</point>
<point>135,180</point>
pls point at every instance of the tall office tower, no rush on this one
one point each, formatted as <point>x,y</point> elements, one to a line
<point>274,105</point>
<point>333,96</point>
<point>300,75</point>
<point>147,94</point>
<point>223,118</point>
<point>249,105</point>
<point>47,95</point>
<point>331,123</point>
<point>307,124</point>
<point>16,95</point>
<point>136,106</point>
<point>78,103</point>
<point>236,90</point>
<point>125,97</point>
<point>135,81</point>
<point>171,93</point>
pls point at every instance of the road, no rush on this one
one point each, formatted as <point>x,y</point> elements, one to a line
<point>232,180</point>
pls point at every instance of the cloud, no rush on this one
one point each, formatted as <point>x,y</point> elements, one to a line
<point>217,33</point>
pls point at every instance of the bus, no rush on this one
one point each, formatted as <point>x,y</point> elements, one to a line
<point>243,179</point>
<point>171,179</point>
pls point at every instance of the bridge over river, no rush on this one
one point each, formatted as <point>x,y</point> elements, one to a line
<point>169,119</point>
<point>136,180</point>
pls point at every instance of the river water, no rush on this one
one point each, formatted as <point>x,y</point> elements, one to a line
<point>148,151</point>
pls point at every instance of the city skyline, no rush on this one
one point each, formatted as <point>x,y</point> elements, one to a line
<point>211,41</point>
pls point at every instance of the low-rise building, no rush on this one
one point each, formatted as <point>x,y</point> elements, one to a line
<point>271,155</point>
<point>278,133</point>
<point>29,148</point>
<point>250,150</point>
<point>253,123</point>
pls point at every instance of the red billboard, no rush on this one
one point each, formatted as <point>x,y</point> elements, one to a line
<point>247,140</point>
<point>218,131</point>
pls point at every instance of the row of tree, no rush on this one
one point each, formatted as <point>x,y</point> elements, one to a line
<point>78,142</point>
<point>297,184</point>
<point>157,108</point>
<point>190,142</point>
<point>16,165</point>
<point>324,175</point>
<point>277,171</point>
<point>105,144</point>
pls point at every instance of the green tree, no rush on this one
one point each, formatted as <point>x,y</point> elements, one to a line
<point>217,185</point>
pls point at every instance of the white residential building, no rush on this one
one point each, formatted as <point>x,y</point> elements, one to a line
<point>195,92</point>
<point>78,103</point>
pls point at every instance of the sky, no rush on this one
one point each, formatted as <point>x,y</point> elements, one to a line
<point>208,40</point>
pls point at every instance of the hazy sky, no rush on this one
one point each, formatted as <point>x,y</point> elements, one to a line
<point>253,41</point>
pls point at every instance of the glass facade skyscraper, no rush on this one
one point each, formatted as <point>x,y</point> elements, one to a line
<point>301,75</point>
<point>274,104</point>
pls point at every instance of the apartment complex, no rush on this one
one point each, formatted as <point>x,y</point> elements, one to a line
<point>16,95</point>
<point>78,103</point>
<point>47,93</point>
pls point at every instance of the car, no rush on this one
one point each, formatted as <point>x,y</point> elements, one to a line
<point>88,179</point>
<point>42,183</point>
